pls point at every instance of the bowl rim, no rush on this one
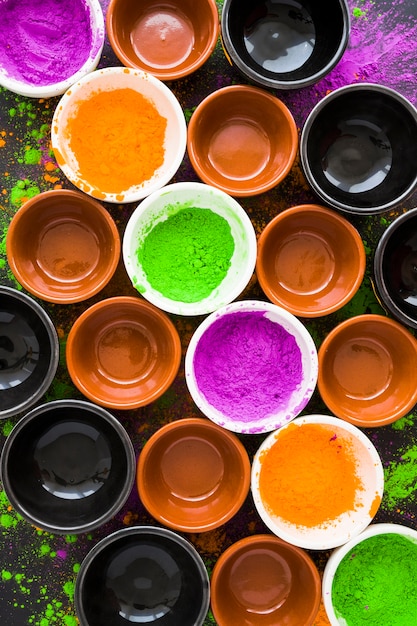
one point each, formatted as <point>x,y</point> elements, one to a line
<point>339,553</point>
<point>30,90</point>
<point>328,420</point>
<point>285,317</point>
<point>234,446</point>
<point>323,353</point>
<point>304,138</point>
<point>40,411</point>
<point>136,303</point>
<point>164,75</point>
<point>35,204</point>
<point>337,219</point>
<point>250,189</point>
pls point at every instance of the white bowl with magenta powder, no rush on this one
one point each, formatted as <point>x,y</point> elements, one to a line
<point>318,482</point>
<point>47,45</point>
<point>119,134</point>
<point>251,366</point>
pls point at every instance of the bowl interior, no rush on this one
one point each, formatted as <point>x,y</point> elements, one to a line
<point>260,580</point>
<point>63,246</point>
<point>68,467</point>
<point>174,585</point>
<point>105,183</point>
<point>310,260</point>
<point>359,148</point>
<point>307,49</point>
<point>123,352</point>
<point>193,475</point>
<point>322,523</point>
<point>169,39</point>
<point>365,371</point>
<point>29,351</point>
<point>242,140</point>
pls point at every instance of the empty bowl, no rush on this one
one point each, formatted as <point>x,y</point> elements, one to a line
<point>142,574</point>
<point>242,140</point>
<point>285,45</point>
<point>251,366</point>
<point>167,39</point>
<point>119,134</point>
<point>358,147</point>
<point>355,590</point>
<point>311,260</point>
<point>189,248</point>
<point>63,246</point>
<point>68,466</point>
<point>395,268</point>
<point>123,352</point>
<point>317,482</point>
<point>366,370</point>
<point>263,580</point>
<point>193,476</point>
<point>37,63</point>
<point>29,352</point>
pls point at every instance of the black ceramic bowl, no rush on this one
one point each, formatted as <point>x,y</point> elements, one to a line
<point>68,466</point>
<point>395,268</point>
<point>285,45</point>
<point>358,148</point>
<point>29,352</point>
<point>142,574</point>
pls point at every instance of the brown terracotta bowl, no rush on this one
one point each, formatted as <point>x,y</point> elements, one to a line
<point>169,39</point>
<point>367,368</point>
<point>310,260</point>
<point>63,246</point>
<point>123,352</point>
<point>242,139</point>
<point>193,475</point>
<point>262,580</point>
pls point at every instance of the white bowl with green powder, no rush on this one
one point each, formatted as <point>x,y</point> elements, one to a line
<point>372,579</point>
<point>189,248</point>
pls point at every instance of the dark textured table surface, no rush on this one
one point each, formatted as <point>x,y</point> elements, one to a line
<point>37,569</point>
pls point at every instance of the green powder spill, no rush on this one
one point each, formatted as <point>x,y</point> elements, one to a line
<point>401,480</point>
<point>404,422</point>
<point>32,156</point>
<point>23,190</point>
<point>188,255</point>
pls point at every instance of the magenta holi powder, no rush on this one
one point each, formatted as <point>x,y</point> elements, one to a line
<point>44,41</point>
<point>247,366</point>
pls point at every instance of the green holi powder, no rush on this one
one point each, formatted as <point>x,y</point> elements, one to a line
<point>376,583</point>
<point>23,190</point>
<point>188,255</point>
<point>400,480</point>
<point>404,422</point>
<point>32,156</point>
<point>6,575</point>
<point>357,12</point>
<point>7,427</point>
<point>69,588</point>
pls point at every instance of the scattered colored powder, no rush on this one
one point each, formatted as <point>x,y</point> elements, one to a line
<point>186,256</point>
<point>401,480</point>
<point>403,422</point>
<point>247,366</point>
<point>44,41</point>
<point>309,476</point>
<point>117,138</point>
<point>375,583</point>
<point>22,191</point>
<point>32,156</point>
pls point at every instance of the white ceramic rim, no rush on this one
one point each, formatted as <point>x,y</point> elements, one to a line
<point>176,133</point>
<point>338,554</point>
<point>326,538</point>
<point>55,89</point>
<point>218,297</point>
<point>309,360</point>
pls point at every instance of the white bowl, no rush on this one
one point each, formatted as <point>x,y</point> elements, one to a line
<point>112,79</point>
<point>333,533</point>
<point>32,90</point>
<point>170,200</point>
<point>338,555</point>
<point>269,407</point>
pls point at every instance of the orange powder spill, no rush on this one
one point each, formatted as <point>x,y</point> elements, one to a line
<point>117,138</point>
<point>309,476</point>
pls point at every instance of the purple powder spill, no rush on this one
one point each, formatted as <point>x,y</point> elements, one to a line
<point>44,41</point>
<point>247,366</point>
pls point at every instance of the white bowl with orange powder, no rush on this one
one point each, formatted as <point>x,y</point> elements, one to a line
<point>119,134</point>
<point>317,482</point>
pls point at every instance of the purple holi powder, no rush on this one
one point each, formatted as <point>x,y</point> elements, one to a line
<point>44,41</point>
<point>247,366</point>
